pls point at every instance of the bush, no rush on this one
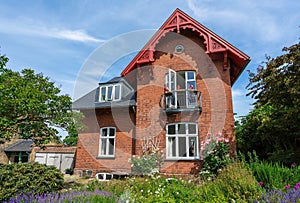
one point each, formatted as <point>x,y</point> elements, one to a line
<point>28,178</point>
<point>152,188</point>
<point>159,189</point>
<point>235,182</point>
<point>216,156</point>
<point>147,164</point>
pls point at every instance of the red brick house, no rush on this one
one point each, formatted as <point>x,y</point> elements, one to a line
<point>176,91</point>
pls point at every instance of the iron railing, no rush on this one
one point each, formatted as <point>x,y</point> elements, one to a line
<point>181,100</point>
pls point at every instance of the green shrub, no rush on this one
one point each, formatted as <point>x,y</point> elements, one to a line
<point>28,177</point>
<point>235,182</point>
<point>273,175</point>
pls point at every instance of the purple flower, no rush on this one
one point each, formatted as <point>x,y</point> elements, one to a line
<point>297,186</point>
<point>293,165</point>
<point>287,186</point>
<point>261,183</point>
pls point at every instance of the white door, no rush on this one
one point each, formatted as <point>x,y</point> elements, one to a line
<point>41,158</point>
<point>67,162</point>
<point>54,160</point>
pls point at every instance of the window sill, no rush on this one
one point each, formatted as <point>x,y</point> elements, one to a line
<point>182,159</point>
<point>108,101</point>
<point>105,157</point>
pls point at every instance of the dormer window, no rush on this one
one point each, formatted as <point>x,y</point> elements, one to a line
<point>110,92</point>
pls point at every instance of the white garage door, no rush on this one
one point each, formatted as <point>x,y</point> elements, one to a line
<point>60,161</point>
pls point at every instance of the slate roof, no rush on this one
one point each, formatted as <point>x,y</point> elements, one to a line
<point>89,101</point>
<point>113,80</point>
<point>22,146</point>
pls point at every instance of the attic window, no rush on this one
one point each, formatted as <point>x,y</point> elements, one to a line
<point>110,93</point>
<point>179,48</point>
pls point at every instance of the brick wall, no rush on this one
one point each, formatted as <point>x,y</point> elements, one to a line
<point>88,141</point>
<point>212,81</point>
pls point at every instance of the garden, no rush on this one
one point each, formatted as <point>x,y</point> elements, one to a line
<point>222,179</point>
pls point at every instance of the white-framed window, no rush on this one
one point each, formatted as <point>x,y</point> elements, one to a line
<point>182,141</point>
<point>110,93</point>
<point>107,142</point>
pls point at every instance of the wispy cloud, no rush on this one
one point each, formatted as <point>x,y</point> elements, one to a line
<point>237,93</point>
<point>75,35</point>
<point>17,27</point>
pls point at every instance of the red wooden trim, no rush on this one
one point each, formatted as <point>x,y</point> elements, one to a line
<point>213,42</point>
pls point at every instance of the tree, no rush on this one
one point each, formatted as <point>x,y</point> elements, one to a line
<point>72,138</point>
<point>31,107</point>
<point>272,128</point>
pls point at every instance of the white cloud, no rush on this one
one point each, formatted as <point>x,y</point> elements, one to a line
<point>75,35</point>
<point>237,93</point>
<point>25,27</point>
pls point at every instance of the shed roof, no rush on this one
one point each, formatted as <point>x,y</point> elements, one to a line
<point>57,149</point>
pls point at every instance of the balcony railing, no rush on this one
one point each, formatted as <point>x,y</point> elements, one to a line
<point>181,100</point>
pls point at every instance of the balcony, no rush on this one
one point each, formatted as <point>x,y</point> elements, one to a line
<point>181,101</point>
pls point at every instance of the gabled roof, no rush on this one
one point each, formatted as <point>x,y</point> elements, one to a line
<point>22,146</point>
<point>214,44</point>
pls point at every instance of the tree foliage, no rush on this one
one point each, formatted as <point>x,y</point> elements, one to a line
<point>31,106</point>
<point>72,138</point>
<point>272,128</point>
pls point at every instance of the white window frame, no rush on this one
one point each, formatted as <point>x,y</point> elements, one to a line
<point>106,139</point>
<point>106,176</point>
<point>113,96</point>
<point>186,135</point>
<point>171,84</point>
<point>188,93</point>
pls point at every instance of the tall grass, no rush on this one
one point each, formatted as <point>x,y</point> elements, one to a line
<point>272,175</point>
<point>235,182</point>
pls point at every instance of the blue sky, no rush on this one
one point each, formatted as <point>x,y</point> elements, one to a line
<point>57,37</point>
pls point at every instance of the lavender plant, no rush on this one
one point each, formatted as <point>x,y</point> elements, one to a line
<point>291,195</point>
<point>72,196</point>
